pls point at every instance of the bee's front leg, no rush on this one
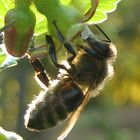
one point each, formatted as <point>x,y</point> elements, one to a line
<point>66,44</point>
<point>52,52</point>
<point>40,72</point>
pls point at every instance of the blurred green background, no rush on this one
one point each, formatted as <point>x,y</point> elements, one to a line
<point>113,115</point>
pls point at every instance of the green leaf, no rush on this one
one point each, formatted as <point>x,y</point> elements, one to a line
<point>81,5</point>
<point>2,57</point>
<point>41,22</point>
<point>2,137</point>
<point>104,7</point>
<point>65,2</point>
<point>5,5</point>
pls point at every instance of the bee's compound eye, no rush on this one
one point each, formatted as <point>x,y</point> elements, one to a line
<point>102,48</point>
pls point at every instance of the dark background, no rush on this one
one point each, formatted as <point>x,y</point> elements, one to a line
<point>113,115</point>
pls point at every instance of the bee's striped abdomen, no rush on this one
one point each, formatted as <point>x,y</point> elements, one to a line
<point>72,96</point>
<point>53,106</point>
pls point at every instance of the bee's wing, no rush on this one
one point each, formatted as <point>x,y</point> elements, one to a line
<point>74,117</point>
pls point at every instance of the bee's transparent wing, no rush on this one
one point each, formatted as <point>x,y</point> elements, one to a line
<point>74,117</point>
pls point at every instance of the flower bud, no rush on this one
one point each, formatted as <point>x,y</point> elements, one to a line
<point>17,37</point>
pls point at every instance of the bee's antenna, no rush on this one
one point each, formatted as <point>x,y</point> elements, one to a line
<point>109,40</point>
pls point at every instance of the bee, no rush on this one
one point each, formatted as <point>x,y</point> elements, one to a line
<point>89,68</point>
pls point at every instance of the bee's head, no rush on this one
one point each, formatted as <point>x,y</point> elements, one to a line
<point>100,49</point>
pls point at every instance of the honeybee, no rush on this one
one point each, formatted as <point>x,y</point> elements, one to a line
<point>89,69</point>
